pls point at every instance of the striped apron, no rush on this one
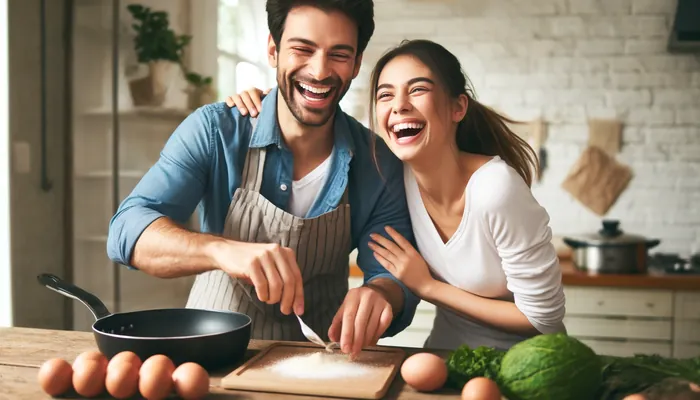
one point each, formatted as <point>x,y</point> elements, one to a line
<point>321,246</point>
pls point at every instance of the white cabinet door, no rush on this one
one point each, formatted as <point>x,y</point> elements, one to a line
<point>687,325</point>
<point>621,321</point>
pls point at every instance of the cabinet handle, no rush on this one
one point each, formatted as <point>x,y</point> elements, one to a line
<point>650,305</point>
<point>601,302</point>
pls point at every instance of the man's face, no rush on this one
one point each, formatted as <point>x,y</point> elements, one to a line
<point>316,61</point>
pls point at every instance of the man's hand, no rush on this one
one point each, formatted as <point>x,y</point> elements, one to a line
<point>271,268</point>
<point>248,101</point>
<point>361,320</point>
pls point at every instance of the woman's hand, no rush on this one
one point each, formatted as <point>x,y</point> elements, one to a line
<point>248,101</point>
<point>402,260</point>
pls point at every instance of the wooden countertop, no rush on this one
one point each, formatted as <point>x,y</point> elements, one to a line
<point>574,277</point>
<point>23,350</point>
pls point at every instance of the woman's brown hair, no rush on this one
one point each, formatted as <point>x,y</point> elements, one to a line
<point>483,130</point>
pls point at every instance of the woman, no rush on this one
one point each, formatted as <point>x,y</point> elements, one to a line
<point>484,256</point>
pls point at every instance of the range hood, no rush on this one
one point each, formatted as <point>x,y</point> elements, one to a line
<point>685,32</point>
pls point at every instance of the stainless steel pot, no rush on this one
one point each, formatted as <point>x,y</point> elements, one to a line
<point>611,251</point>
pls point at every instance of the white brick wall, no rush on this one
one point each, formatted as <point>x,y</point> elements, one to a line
<point>567,61</point>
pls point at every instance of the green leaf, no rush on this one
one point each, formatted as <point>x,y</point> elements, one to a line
<point>465,363</point>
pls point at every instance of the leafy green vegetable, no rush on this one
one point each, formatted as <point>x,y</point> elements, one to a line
<point>550,367</point>
<point>465,363</point>
<point>561,367</point>
<point>623,376</point>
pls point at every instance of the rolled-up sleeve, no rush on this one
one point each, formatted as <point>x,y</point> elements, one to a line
<point>390,210</point>
<point>520,227</point>
<point>172,187</point>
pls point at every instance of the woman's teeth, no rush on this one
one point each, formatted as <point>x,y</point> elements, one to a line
<point>408,125</point>
<point>406,132</point>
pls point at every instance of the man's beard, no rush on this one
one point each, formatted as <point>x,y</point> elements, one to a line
<point>318,117</point>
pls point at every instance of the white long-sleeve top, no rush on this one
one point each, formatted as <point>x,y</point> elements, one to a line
<point>502,250</point>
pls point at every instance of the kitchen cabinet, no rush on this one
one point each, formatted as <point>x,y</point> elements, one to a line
<point>621,321</point>
<point>626,321</point>
<point>611,320</point>
<point>686,329</point>
<point>113,145</point>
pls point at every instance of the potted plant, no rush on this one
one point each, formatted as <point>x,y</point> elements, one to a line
<point>158,47</point>
<point>199,91</point>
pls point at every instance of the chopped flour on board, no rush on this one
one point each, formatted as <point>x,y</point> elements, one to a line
<point>319,365</point>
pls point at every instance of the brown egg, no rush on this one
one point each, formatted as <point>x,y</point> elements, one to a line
<point>424,372</point>
<point>156,377</point>
<point>127,356</point>
<point>55,376</point>
<point>481,388</point>
<point>635,396</point>
<point>89,355</point>
<point>694,387</point>
<point>191,381</point>
<point>89,377</point>
<point>122,379</point>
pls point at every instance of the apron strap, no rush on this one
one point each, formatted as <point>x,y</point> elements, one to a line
<point>254,164</point>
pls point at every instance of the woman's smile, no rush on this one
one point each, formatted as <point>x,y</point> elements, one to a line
<point>406,131</point>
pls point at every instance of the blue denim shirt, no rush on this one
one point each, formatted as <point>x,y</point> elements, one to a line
<point>201,166</point>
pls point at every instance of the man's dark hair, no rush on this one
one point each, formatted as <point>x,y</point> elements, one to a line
<point>360,11</point>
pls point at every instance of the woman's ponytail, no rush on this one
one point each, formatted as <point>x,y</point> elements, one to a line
<point>485,131</point>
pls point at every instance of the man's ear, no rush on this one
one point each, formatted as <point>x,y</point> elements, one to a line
<point>358,65</point>
<point>271,51</point>
<point>459,110</point>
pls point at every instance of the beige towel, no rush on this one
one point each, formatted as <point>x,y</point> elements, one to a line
<point>597,180</point>
<point>605,134</point>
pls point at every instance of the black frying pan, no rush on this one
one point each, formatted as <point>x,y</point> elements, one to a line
<point>212,339</point>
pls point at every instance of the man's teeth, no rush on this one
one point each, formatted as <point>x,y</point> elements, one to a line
<point>408,125</point>
<point>318,90</point>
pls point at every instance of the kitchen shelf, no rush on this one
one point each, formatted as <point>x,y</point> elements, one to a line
<point>93,238</point>
<point>142,111</point>
<point>97,174</point>
<point>108,132</point>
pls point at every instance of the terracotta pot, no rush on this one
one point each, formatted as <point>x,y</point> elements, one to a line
<point>199,96</point>
<point>151,89</point>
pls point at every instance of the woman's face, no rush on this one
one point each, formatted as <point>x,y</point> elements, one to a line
<point>416,117</point>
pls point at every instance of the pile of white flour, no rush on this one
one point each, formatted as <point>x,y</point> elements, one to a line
<point>319,365</point>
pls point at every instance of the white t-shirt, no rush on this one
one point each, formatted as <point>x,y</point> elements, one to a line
<point>502,249</point>
<point>305,190</point>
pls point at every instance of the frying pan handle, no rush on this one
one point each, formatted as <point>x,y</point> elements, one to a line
<point>96,306</point>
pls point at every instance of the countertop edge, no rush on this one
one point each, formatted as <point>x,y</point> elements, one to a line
<point>573,277</point>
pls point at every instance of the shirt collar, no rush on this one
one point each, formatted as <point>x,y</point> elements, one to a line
<point>267,131</point>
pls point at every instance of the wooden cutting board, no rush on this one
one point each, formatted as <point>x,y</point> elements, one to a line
<point>301,368</point>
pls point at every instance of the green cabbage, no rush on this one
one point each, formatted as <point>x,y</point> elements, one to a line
<point>550,367</point>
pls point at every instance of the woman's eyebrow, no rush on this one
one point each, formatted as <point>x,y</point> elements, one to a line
<point>420,79</point>
<point>408,82</point>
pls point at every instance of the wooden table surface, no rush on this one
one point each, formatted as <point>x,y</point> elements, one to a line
<point>23,350</point>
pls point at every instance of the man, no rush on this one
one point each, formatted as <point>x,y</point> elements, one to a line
<point>283,198</point>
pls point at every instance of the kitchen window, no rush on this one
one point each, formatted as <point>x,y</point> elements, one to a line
<point>232,49</point>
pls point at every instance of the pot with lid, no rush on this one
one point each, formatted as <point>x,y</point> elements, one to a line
<point>611,251</point>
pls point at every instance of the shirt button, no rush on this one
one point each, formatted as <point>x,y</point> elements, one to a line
<point>283,187</point>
